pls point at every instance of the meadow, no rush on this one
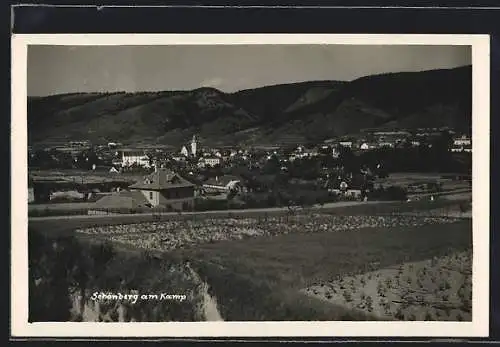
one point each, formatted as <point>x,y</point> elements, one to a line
<point>282,266</point>
<point>291,267</point>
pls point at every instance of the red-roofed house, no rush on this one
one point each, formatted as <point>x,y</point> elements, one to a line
<point>165,188</point>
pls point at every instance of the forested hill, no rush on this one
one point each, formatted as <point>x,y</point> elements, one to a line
<point>306,111</point>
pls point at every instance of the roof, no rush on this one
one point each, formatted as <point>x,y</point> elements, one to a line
<point>123,199</point>
<point>162,179</point>
<point>222,180</point>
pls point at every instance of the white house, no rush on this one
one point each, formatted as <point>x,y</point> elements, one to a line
<point>462,144</point>
<point>209,161</point>
<point>365,146</point>
<point>462,141</point>
<point>131,157</point>
<point>346,143</point>
<point>386,144</point>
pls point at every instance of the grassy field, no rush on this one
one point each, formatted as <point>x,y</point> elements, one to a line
<point>281,266</point>
<point>262,276</point>
<point>301,259</point>
<point>404,179</point>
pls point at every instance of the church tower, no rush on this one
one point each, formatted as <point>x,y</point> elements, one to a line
<point>193,146</point>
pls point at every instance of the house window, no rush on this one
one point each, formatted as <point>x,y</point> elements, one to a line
<point>150,195</point>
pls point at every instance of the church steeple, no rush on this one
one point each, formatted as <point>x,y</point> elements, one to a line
<point>193,146</point>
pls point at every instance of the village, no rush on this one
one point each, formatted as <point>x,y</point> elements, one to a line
<point>115,177</point>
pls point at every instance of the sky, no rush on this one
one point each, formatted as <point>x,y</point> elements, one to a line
<point>69,69</point>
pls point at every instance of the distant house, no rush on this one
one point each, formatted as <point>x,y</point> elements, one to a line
<point>137,157</point>
<point>346,144</point>
<point>209,161</point>
<point>348,193</point>
<point>365,146</point>
<point>463,140</point>
<point>223,184</point>
<point>165,188</point>
<point>462,144</point>
<point>386,144</point>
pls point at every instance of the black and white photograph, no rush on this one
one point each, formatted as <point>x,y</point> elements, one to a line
<point>253,182</point>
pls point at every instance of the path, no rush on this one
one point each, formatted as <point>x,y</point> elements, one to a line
<point>331,205</point>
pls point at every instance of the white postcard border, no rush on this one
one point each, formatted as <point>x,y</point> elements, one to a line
<point>479,327</point>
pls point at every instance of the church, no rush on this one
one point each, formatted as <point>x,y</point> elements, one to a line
<point>193,148</point>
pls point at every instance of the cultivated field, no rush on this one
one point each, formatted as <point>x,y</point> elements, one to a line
<point>436,289</point>
<point>172,235</point>
<point>292,267</point>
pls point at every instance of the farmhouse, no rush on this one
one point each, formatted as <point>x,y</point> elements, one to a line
<point>165,188</point>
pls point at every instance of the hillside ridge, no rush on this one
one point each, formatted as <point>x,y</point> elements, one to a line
<point>293,112</point>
